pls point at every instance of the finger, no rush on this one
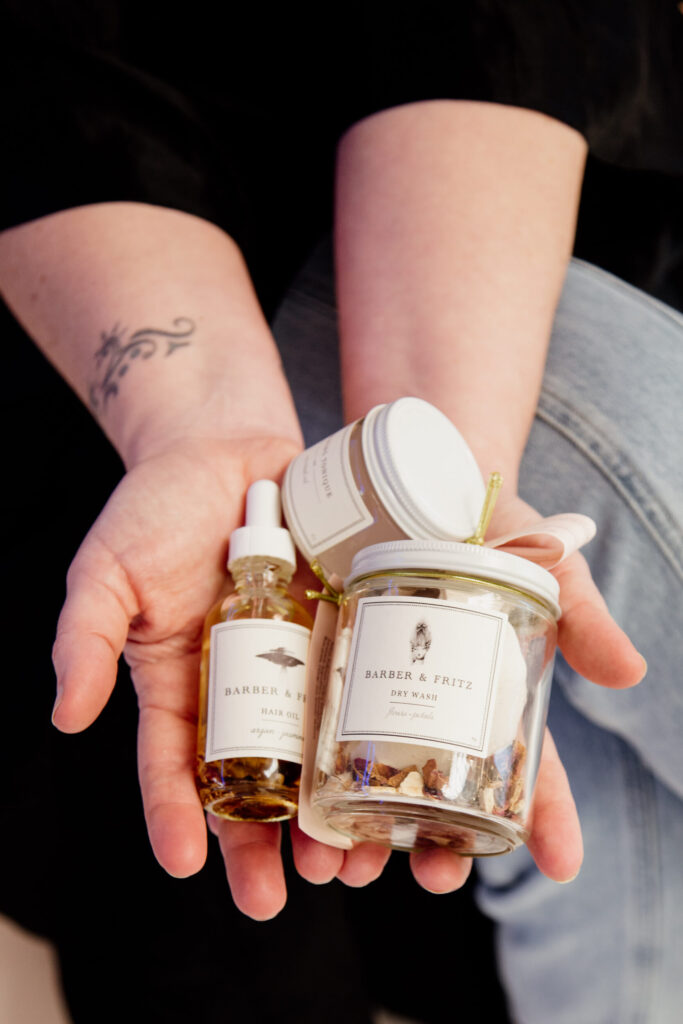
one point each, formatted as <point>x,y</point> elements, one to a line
<point>314,861</point>
<point>254,867</point>
<point>363,864</point>
<point>167,739</point>
<point>555,843</point>
<point>91,632</point>
<point>440,870</point>
<point>589,638</point>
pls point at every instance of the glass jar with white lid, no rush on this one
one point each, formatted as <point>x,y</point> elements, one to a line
<point>437,697</point>
<point>402,471</point>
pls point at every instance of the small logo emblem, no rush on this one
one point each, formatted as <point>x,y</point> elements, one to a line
<point>282,657</point>
<point>420,642</point>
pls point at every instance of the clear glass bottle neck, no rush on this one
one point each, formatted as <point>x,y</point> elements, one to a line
<point>258,573</point>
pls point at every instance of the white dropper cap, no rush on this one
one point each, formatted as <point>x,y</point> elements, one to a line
<point>262,536</point>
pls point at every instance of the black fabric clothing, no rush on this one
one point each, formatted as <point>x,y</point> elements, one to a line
<point>233,113</point>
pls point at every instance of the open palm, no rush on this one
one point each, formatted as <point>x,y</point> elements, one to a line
<point>141,584</point>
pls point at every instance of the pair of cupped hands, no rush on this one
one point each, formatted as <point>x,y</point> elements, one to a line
<point>141,584</point>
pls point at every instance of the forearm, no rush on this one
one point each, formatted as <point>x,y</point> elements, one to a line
<point>454,226</point>
<point>150,315</point>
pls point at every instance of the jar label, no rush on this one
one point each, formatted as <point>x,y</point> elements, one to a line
<point>257,686</point>
<point>321,499</point>
<point>422,671</point>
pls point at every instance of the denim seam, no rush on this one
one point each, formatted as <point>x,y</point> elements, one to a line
<point>621,473</point>
<point>645,940</point>
<point>643,945</point>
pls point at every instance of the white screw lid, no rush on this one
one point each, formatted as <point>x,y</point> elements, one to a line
<point>423,470</point>
<point>466,559</point>
<point>263,536</point>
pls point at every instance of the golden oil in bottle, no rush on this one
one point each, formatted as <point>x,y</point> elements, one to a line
<point>252,679</point>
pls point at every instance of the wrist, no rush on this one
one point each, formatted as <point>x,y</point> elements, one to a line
<point>218,418</point>
<point>495,452</point>
<point>496,446</point>
<point>151,317</point>
<point>447,282</point>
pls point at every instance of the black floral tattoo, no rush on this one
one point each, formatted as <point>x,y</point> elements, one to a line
<point>114,357</point>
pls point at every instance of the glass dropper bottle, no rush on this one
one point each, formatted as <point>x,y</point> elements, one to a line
<point>252,678</point>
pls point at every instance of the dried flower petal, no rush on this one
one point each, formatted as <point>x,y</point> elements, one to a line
<point>396,779</point>
<point>434,779</point>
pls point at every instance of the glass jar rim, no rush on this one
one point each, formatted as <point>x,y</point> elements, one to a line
<point>450,557</point>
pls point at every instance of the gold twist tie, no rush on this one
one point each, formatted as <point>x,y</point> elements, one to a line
<point>329,593</point>
<point>491,497</point>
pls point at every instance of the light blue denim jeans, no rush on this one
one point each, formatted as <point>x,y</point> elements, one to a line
<point>607,441</point>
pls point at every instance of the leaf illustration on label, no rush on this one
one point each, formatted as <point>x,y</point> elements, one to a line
<point>420,642</point>
<point>282,657</point>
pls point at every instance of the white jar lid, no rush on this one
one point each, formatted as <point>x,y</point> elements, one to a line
<point>462,559</point>
<point>423,470</point>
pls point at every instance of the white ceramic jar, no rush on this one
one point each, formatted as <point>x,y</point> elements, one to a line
<point>403,471</point>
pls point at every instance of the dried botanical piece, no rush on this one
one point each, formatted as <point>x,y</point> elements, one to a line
<point>434,779</point>
<point>487,800</point>
<point>515,784</point>
<point>493,785</point>
<point>397,778</point>
<point>374,773</point>
<point>342,763</point>
<point>412,784</point>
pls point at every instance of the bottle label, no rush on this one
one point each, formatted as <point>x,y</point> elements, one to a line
<point>422,671</point>
<point>257,690</point>
<point>322,503</point>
